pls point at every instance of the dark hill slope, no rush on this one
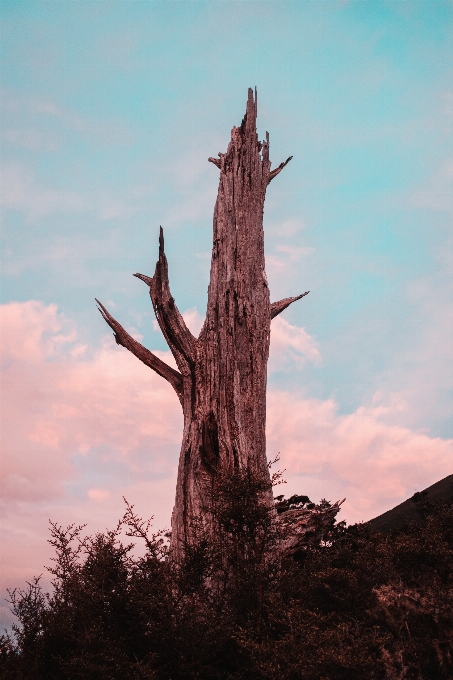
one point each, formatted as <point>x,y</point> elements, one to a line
<point>407,511</point>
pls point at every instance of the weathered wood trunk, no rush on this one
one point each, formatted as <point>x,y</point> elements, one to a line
<point>221,382</point>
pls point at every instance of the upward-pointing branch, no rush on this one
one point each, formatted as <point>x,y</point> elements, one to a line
<point>274,173</point>
<point>123,338</point>
<point>180,340</point>
<point>277,307</point>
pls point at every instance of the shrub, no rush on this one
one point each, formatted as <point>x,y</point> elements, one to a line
<point>355,605</point>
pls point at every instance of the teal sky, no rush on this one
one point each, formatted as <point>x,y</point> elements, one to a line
<point>109,113</point>
<point>110,110</point>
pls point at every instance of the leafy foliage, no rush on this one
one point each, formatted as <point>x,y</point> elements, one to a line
<point>358,605</point>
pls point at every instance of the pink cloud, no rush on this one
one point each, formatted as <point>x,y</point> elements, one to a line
<point>64,407</point>
<point>358,456</point>
<point>59,403</point>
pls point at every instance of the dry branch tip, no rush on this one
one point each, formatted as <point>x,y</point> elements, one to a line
<point>147,279</point>
<point>275,172</point>
<point>216,161</point>
<point>161,244</point>
<point>278,307</point>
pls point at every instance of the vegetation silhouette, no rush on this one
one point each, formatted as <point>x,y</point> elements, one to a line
<point>352,604</point>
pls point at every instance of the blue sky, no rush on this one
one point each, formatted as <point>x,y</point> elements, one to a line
<point>109,113</point>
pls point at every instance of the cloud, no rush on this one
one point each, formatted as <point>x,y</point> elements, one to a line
<point>61,403</point>
<point>79,431</point>
<point>293,252</point>
<point>20,191</point>
<point>420,369</point>
<point>358,456</point>
<point>437,194</point>
<point>43,123</point>
<point>99,495</point>
<point>83,428</point>
<point>424,369</point>
<point>286,228</point>
<point>30,138</point>
<point>291,344</point>
<point>285,257</point>
<point>194,320</point>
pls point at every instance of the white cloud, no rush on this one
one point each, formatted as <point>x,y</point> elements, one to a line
<point>291,345</point>
<point>194,320</point>
<point>31,138</point>
<point>35,113</point>
<point>20,191</point>
<point>293,252</point>
<point>285,258</point>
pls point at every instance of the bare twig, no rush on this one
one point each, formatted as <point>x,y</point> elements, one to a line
<point>275,172</point>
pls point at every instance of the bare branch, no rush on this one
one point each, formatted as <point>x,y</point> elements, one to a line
<point>123,338</point>
<point>216,161</point>
<point>139,528</point>
<point>277,307</point>
<point>275,172</point>
<point>147,279</point>
<point>180,340</point>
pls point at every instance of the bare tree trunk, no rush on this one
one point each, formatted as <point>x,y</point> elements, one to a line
<point>221,382</point>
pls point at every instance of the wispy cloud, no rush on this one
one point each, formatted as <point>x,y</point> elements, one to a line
<point>24,192</point>
<point>35,113</point>
<point>62,402</point>
<point>437,193</point>
<point>21,191</point>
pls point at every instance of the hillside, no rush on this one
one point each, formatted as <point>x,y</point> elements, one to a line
<point>406,512</point>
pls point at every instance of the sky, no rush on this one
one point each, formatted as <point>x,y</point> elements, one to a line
<point>110,110</point>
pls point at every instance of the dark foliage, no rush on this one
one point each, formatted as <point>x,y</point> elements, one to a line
<point>294,502</point>
<point>359,605</point>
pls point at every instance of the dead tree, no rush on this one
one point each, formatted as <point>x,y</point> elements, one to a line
<point>221,381</point>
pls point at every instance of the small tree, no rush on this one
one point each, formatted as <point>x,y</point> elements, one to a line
<point>221,381</point>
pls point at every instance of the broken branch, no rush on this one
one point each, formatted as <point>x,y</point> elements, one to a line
<point>123,338</point>
<point>275,172</point>
<point>179,338</point>
<point>277,307</point>
<point>216,161</point>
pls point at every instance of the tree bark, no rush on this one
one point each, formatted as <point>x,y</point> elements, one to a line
<point>221,382</point>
